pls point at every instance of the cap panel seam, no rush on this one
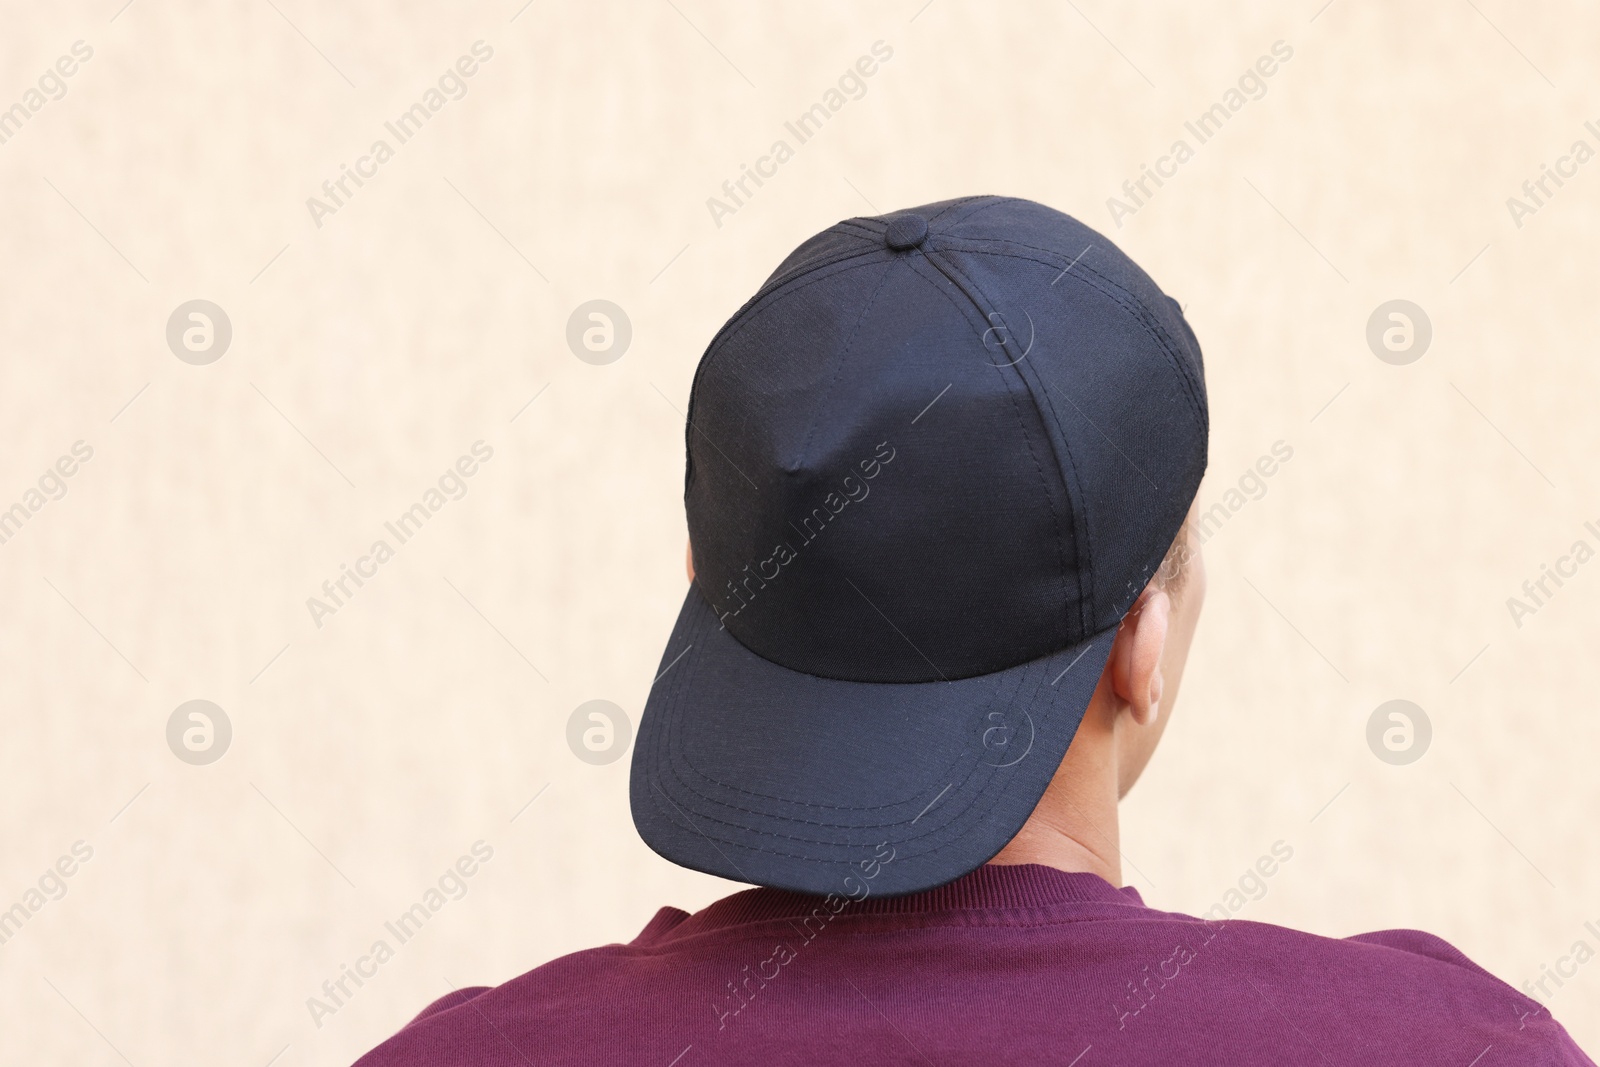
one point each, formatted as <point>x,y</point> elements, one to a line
<point>730,329</point>
<point>839,359</point>
<point>1140,314</point>
<point>782,291</point>
<point>857,227</point>
<point>1124,300</point>
<point>993,201</point>
<point>869,242</point>
<point>1084,573</point>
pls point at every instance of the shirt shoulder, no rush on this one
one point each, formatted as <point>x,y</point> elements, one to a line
<point>665,921</point>
<point>1420,943</point>
<point>1433,976</point>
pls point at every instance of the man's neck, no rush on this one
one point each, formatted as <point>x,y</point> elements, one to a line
<point>1074,826</point>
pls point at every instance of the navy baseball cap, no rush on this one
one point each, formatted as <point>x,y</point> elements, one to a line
<point>931,465</point>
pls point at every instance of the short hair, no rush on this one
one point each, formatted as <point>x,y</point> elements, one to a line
<point>1173,573</point>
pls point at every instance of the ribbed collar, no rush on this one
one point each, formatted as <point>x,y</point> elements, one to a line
<point>989,888</point>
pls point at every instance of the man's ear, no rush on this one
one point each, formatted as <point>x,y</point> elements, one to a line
<point>688,558</point>
<point>1136,655</point>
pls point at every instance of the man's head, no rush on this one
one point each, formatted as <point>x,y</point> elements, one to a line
<point>933,468</point>
<point>1147,661</point>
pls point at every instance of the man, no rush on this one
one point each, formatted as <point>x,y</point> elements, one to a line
<point>942,591</point>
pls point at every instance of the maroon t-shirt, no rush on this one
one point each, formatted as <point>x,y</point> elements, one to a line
<point>1008,965</point>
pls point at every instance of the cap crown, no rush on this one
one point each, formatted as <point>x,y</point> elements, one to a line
<point>925,461</point>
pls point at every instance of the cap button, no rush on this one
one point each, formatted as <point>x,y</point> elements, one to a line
<point>905,231</point>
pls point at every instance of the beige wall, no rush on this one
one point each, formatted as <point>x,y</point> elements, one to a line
<point>423,314</point>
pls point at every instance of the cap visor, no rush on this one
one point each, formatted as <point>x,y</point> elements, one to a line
<point>761,774</point>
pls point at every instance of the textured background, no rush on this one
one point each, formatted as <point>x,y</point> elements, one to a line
<point>370,352</point>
